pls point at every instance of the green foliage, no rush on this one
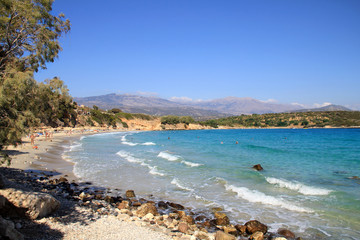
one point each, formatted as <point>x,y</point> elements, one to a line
<point>301,119</point>
<point>127,116</point>
<point>142,116</point>
<point>29,33</point>
<point>170,120</point>
<point>115,110</point>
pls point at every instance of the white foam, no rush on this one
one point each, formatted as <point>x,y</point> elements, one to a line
<point>168,156</point>
<point>297,186</point>
<point>129,157</point>
<point>259,197</point>
<point>123,140</point>
<point>154,171</point>
<point>75,146</point>
<point>179,185</point>
<point>148,144</point>
<point>191,164</point>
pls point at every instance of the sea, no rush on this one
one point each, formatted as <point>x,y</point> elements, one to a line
<point>308,184</point>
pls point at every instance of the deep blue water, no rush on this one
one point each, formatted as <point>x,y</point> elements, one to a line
<point>306,183</point>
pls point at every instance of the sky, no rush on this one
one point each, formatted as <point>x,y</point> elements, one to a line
<point>298,51</point>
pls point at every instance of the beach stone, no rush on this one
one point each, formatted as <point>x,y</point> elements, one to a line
<point>136,204</point>
<point>62,179</point>
<point>123,205</point>
<point>130,194</point>
<point>183,227</point>
<point>8,231</point>
<point>2,181</point>
<point>280,238</point>
<point>188,219</point>
<point>231,230</point>
<point>241,229</point>
<point>221,219</point>
<point>176,206</point>
<point>174,215</point>
<point>145,209</point>
<point>257,236</point>
<point>286,233</point>
<point>220,235</point>
<point>255,226</point>
<point>258,167</point>
<point>34,204</point>
<point>181,214</point>
<point>201,235</point>
<point>162,205</point>
<point>148,217</point>
<point>109,199</point>
<point>200,218</point>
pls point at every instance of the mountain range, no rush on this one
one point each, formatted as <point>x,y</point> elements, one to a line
<point>216,108</point>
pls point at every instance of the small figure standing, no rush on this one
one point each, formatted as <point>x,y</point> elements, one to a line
<point>32,137</point>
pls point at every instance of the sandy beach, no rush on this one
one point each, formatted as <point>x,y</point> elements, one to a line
<point>46,157</point>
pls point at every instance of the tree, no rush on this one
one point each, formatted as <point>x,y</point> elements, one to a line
<point>29,33</point>
<point>29,36</point>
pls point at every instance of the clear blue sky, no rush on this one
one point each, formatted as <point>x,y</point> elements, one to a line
<point>301,51</point>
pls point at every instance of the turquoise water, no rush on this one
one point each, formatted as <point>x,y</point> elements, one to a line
<point>305,185</point>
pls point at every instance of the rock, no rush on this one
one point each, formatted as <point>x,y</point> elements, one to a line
<point>18,225</point>
<point>220,235</point>
<point>145,209</point>
<point>280,238</point>
<point>241,229</point>
<point>62,179</point>
<point>258,167</point>
<point>148,217</point>
<point>255,226</point>
<point>355,177</point>
<point>33,204</point>
<point>188,219</point>
<point>136,204</point>
<point>200,218</point>
<point>231,230</point>
<point>181,214</point>
<point>123,205</point>
<point>109,199</point>
<point>176,206</point>
<point>162,205</point>
<point>7,230</point>
<point>130,194</point>
<point>216,209</point>
<point>257,236</point>
<point>2,181</point>
<point>174,215</point>
<point>183,227</point>
<point>221,219</point>
<point>286,233</point>
<point>201,235</point>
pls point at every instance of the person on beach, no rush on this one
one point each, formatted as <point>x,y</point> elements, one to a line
<point>32,137</point>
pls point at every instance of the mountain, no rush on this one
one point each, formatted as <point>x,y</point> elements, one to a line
<point>327,108</point>
<point>148,105</point>
<point>216,108</point>
<point>238,106</point>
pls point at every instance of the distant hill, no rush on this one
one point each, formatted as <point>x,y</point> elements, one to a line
<point>327,108</point>
<point>238,106</point>
<point>216,108</point>
<point>148,105</point>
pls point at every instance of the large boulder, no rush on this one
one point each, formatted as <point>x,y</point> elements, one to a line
<point>8,231</point>
<point>255,226</point>
<point>32,204</point>
<point>221,219</point>
<point>2,181</point>
<point>145,209</point>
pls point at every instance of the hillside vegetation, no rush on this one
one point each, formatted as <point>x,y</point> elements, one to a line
<point>297,120</point>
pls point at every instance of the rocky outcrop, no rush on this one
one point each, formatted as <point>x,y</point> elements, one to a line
<point>32,204</point>
<point>255,226</point>
<point>8,231</point>
<point>147,208</point>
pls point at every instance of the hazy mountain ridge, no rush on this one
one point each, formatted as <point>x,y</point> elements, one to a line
<point>215,108</point>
